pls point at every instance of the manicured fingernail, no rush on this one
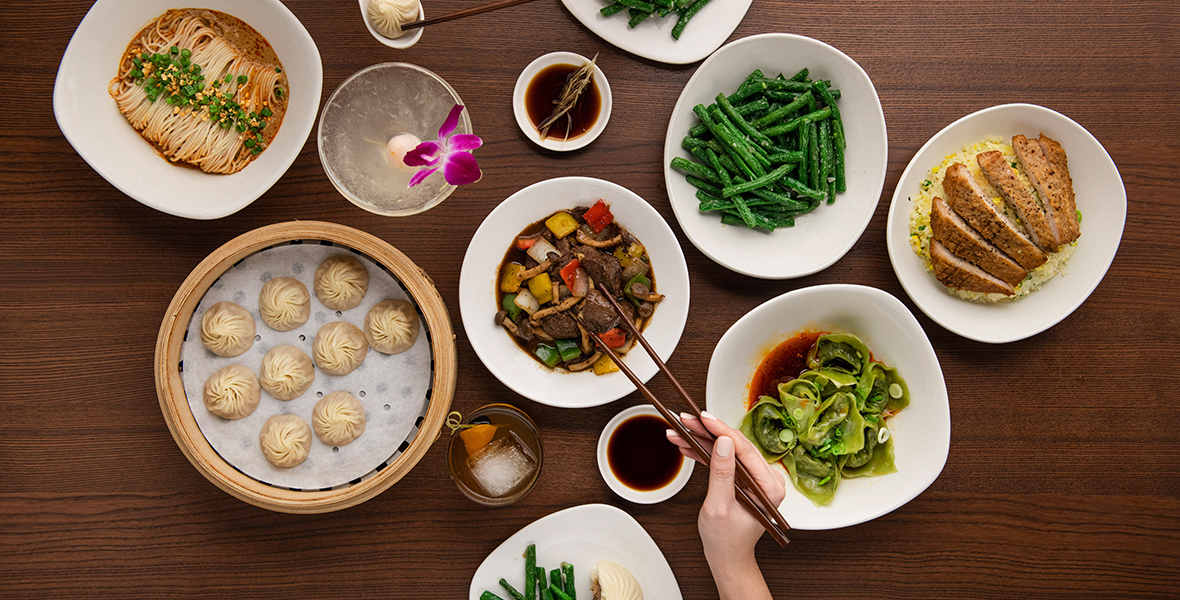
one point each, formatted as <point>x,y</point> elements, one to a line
<point>669,432</point>
<point>706,415</point>
<point>686,417</point>
<point>724,446</point>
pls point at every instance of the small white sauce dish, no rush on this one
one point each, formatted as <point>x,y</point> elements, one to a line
<point>401,42</point>
<point>612,481</point>
<point>522,115</point>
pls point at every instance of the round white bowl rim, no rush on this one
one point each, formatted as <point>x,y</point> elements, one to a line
<point>768,269</point>
<point>592,390</point>
<point>521,115</point>
<point>939,408</point>
<point>244,188</point>
<point>631,494</point>
<point>956,326</point>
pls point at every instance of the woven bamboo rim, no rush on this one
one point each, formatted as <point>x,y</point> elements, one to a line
<point>183,425</point>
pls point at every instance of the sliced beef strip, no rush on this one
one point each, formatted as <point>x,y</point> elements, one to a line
<point>957,273</point>
<point>1056,155</point>
<point>560,326</point>
<point>603,268</point>
<point>598,314</point>
<point>1051,187</point>
<point>965,197</point>
<point>1003,177</point>
<point>951,231</point>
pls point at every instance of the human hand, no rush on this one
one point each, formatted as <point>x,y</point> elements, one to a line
<point>729,531</point>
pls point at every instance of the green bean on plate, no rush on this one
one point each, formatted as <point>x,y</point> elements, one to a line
<point>771,150</point>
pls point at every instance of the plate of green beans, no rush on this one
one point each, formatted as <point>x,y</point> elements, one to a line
<point>669,31</point>
<point>775,156</point>
<point>553,557</point>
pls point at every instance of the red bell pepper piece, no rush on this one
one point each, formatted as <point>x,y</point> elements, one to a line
<point>526,242</point>
<point>598,217</point>
<point>614,338</point>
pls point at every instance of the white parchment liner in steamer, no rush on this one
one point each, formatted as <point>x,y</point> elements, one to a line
<point>393,389</point>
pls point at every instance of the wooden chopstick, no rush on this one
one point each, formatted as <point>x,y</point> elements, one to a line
<point>467,12</point>
<point>768,517</point>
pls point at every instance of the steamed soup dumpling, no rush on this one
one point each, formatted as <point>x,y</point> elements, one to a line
<point>388,16</point>
<point>341,282</point>
<point>284,303</point>
<point>286,372</point>
<point>232,392</point>
<point>338,418</point>
<point>339,348</point>
<point>392,326</point>
<point>612,581</point>
<point>285,440</point>
<point>227,329</point>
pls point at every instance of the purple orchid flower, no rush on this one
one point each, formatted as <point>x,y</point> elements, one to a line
<point>450,152</point>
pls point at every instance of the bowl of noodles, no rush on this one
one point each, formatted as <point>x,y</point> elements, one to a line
<point>195,112</point>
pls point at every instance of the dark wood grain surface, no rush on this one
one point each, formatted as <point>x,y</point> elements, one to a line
<point>1064,472</point>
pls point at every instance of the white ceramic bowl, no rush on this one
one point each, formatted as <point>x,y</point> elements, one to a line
<point>618,487</point>
<point>370,107</point>
<point>478,280</point>
<point>402,42</point>
<point>1100,196</point>
<point>921,432</point>
<point>653,40</point>
<point>521,113</point>
<point>823,236</point>
<point>88,117</point>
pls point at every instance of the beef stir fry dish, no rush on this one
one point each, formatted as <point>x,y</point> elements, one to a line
<point>550,274</point>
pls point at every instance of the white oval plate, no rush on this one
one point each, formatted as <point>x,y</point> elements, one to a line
<point>921,432</point>
<point>652,39</point>
<point>521,112</point>
<point>93,125</point>
<point>1100,196</point>
<point>582,536</point>
<point>823,236</point>
<point>478,280</point>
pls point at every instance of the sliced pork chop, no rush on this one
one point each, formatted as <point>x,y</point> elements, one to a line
<point>965,197</point>
<point>1003,177</point>
<point>961,240</point>
<point>1049,185</point>
<point>957,273</point>
<point>1056,156</point>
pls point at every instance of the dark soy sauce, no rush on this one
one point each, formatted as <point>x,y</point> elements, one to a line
<point>641,456</point>
<point>542,94</point>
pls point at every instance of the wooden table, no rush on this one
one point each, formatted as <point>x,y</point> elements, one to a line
<point>1064,473</point>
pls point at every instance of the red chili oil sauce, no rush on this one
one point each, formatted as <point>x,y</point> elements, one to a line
<point>783,364</point>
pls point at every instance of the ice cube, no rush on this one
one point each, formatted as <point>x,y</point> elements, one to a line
<point>501,465</point>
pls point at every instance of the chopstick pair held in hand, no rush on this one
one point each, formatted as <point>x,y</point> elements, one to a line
<point>709,431</point>
<point>750,494</point>
<point>728,532</point>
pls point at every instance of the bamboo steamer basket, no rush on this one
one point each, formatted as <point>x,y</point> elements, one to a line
<point>183,425</point>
